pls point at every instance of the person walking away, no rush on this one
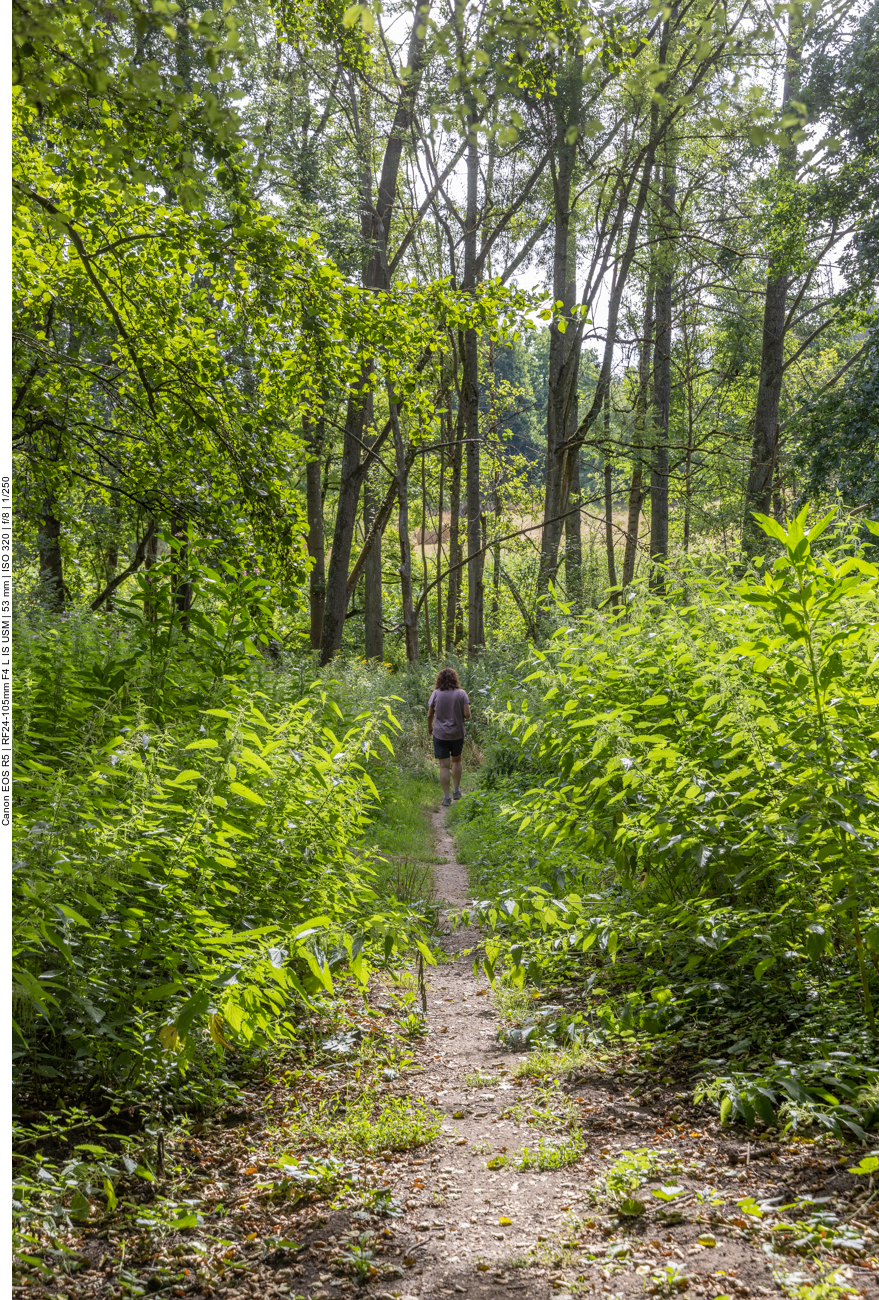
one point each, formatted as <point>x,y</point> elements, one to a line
<point>447,709</point>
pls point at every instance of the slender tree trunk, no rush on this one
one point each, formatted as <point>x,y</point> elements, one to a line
<point>453,604</point>
<point>317,582</point>
<point>140,554</point>
<point>376,229</point>
<point>445,425</point>
<point>662,384</point>
<point>570,412</point>
<point>552,527</point>
<point>564,345</point>
<point>428,644</point>
<point>496,562</point>
<point>51,562</point>
<point>410,621</point>
<point>574,539</point>
<point>608,503</point>
<point>470,397</point>
<point>350,479</point>
<point>373,599</point>
<point>764,448</point>
<point>688,469</point>
<point>636,490</point>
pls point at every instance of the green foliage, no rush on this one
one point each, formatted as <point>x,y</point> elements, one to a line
<point>698,828</point>
<point>550,1153</point>
<point>368,1124</point>
<point>628,1174</point>
<point>401,827</point>
<point>835,438</point>
<point>185,877</point>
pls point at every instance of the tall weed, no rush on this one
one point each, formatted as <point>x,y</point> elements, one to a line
<point>185,870</point>
<point>697,799</point>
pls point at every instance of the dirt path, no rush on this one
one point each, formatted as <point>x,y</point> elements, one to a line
<point>483,1232</point>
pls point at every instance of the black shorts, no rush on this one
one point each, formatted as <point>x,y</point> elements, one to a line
<point>448,748</point>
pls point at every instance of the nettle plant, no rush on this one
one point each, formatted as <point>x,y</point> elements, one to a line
<point>708,770</point>
<point>184,878</point>
<point>822,609</point>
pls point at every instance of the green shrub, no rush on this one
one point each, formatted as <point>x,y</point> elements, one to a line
<point>185,866</point>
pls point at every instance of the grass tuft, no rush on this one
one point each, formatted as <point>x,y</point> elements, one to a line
<point>555,1154</point>
<point>554,1062</point>
<point>368,1125</point>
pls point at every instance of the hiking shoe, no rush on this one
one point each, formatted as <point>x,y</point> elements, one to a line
<point>456,794</point>
<point>447,801</point>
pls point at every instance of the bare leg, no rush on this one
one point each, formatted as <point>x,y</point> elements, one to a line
<point>444,773</point>
<point>456,772</point>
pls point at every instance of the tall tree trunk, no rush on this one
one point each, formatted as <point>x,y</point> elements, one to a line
<point>350,479</point>
<point>410,621</point>
<point>552,527</point>
<point>688,468</point>
<point>470,400</point>
<point>51,562</point>
<point>428,645</point>
<point>764,448</point>
<point>453,604</point>
<point>551,533</point>
<point>317,582</point>
<point>445,452</point>
<point>373,597</point>
<point>574,539</point>
<point>376,230</point>
<point>570,412</point>
<point>636,489</point>
<point>608,504</point>
<point>662,382</point>
<point>564,344</point>
<point>496,562</point>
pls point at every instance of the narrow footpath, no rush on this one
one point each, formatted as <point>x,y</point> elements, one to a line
<point>477,1230</point>
<point>644,1193</point>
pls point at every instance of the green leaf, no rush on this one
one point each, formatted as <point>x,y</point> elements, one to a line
<point>193,1009</point>
<point>79,1207</point>
<point>237,788</point>
<point>868,1165</point>
<point>160,991</point>
<point>207,743</point>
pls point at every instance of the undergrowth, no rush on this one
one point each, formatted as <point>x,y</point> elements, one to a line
<point>676,818</point>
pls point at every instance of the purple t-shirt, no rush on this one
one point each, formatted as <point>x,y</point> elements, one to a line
<point>448,713</point>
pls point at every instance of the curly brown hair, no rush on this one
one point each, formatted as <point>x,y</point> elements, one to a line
<point>447,680</point>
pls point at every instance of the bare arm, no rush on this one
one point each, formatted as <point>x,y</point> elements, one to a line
<point>430,721</point>
<point>466,710</point>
